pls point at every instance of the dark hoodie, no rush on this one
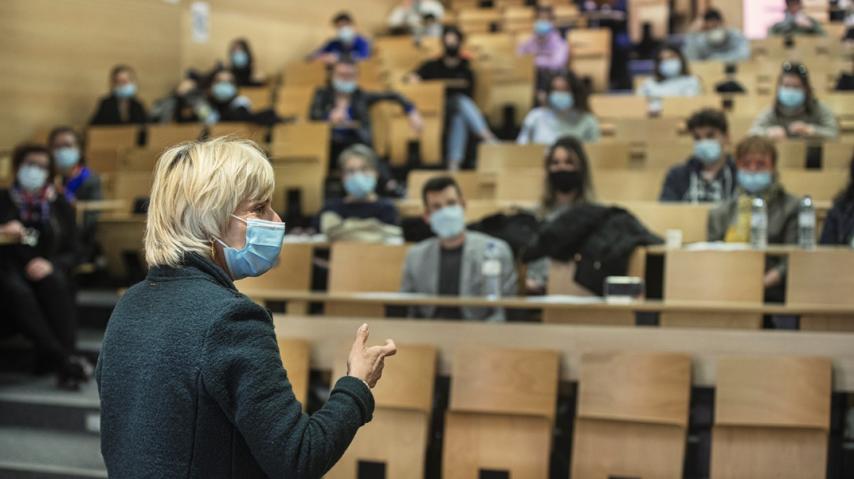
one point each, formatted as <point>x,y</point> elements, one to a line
<point>685,182</point>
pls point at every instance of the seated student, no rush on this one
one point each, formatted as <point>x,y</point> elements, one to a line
<point>709,174</point>
<point>451,263</point>
<point>34,272</point>
<point>796,112</point>
<point>671,77</point>
<point>120,107</point>
<point>568,183</point>
<point>187,103</point>
<point>79,182</point>
<point>226,102</point>
<point>567,113</point>
<point>547,45</point>
<point>347,107</point>
<point>359,167</point>
<point>463,114</point>
<point>716,42</point>
<point>241,63</point>
<point>756,161</point>
<point>796,22</point>
<point>839,224</point>
<point>410,15</point>
<point>347,45</point>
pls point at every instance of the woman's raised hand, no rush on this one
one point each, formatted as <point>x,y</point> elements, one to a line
<point>366,363</point>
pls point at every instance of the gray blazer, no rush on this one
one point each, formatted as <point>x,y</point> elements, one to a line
<point>421,274</point>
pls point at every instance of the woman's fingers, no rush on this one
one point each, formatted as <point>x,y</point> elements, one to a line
<point>389,348</point>
<point>361,337</point>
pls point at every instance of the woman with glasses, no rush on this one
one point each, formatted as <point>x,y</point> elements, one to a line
<point>796,112</point>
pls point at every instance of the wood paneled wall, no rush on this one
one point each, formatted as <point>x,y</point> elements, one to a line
<point>56,54</point>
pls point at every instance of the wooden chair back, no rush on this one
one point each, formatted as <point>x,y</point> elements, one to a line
<point>397,436</point>
<point>294,101</point>
<point>641,130</point>
<point>301,142</point>
<point>811,281</point>
<point>689,218</point>
<point>139,159</point>
<point>632,416</point>
<point>363,267</point>
<point>772,417</point>
<point>609,155</point>
<point>494,157</point>
<point>478,20</point>
<point>306,177</point>
<point>247,131</point>
<point>628,185</point>
<point>103,144</point>
<point>520,185</point>
<point>821,185</point>
<point>260,97</point>
<point>684,107</point>
<point>667,154</point>
<point>305,74</point>
<point>292,273</point>
<point>469,182</point>
<point>296,354</point>
<point>121,240</point>
<point>709,275</point>
<point>609,106</point>
<point>837,155</point>
<point>164,135</point>
<point>500,414</point>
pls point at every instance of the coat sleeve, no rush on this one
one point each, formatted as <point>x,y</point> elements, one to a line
<point>764,121</point>
<point>527,132</point>
<point>668,191</point>
<point>319,110</point>
<point>392,96</point>
<point>830,231</point>
<point>102,115</point>
<point>718,222</point>
<point>827,126</point>
<point>509,279</point>
<point>68,251</point>
<point>242,371</point>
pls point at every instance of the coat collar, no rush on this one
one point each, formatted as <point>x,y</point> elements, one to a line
<point>194,264</point>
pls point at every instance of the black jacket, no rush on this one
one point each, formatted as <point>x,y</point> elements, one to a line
<point>192,385</point>
<point>600,238</point>
<point>683,181</point>
<point>360,108</point>
<point>57,241</point>
<point>839,225</point>
<point>108,112</point>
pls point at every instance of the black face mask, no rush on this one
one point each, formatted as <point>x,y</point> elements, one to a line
<point>452,50</point>
<point>565,181</point>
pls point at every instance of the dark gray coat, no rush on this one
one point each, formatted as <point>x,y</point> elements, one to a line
<point>192,386</point>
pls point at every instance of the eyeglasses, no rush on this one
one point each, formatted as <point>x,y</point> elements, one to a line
<point>797,68</point>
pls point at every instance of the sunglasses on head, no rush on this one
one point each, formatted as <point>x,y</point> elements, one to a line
<point>796,68</point>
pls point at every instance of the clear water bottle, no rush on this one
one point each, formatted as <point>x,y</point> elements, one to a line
<point>806,224</point>
<point>758,224</point>
<point>491,271</point>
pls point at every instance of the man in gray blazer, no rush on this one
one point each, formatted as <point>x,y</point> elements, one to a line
<point>452,263</point>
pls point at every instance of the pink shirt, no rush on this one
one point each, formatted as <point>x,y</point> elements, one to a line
<point>551,52</point>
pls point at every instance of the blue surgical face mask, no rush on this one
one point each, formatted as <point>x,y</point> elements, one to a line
<point>670,68</point>
<point>127,90</point>
<point>448,222</point>
<point>542,27</point>
<point>263,244</point>
<point>32,178</point>
<point>66,157</point>
<point>754,182</point>
<point>346,34</point>
<point>344,86</point>
<point>791,97</point>
<point>561,100</point>
<point>360,185</point>
<point>223,91</point>
<point>708,151</point>
<point>239,58</point>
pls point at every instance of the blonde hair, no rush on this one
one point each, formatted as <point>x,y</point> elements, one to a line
<point>197,186</point>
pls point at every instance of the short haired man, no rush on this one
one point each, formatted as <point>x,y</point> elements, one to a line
<point>453,262</point>
<point>709,174</point>
<point>715,41</point>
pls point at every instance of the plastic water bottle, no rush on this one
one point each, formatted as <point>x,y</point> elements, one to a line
<point>491,271</point>
<point>806,224</point>
<point>758,224</point>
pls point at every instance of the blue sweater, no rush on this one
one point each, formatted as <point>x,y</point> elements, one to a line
<point>192,385</point>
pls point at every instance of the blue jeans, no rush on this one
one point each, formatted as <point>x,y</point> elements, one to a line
<point>463,116</point>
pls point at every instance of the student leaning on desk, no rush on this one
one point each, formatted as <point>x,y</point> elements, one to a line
<point>190,375</point>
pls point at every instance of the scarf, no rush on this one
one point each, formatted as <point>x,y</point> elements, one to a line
<point>33,207</point>
<point>81,174</point>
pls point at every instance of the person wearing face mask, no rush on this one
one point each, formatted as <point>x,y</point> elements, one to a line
<point>709,174</point>
<point>756,163</point>
<point>359,167</point>
<point>347,44</point>
<point>671,77</point>
<point>796,113</point>
<point>450,264</point>
<point>410,16</point>
<point>225,101</point>
<point>547,45</point>
<point>715,42</point>
<point>120,107</point>
<point>463,115</point>
<point>796,22</point>
<point>566,114</point>
<point>35,268</point>
<point>346,107</point>
<point>241,63</point>
<point>190,375</point>
<point>568,183</point>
